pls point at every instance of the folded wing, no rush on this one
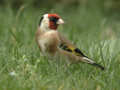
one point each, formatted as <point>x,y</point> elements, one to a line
<point>67,48</point>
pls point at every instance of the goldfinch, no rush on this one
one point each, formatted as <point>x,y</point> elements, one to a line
<point>52,42</point>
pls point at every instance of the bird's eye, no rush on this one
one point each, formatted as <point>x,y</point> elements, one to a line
<point>53,19</point>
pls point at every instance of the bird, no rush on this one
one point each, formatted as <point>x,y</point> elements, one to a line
<point>51,42</point>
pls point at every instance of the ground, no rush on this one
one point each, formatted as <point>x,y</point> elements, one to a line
<point>22,66</point>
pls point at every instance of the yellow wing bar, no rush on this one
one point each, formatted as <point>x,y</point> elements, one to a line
<point>71,49</point>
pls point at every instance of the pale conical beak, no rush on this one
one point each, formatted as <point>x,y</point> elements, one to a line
<point>60,21</point>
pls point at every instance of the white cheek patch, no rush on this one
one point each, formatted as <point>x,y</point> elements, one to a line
<point>45,23</point>
<point>46,20</point>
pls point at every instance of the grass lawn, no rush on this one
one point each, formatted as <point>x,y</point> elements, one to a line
<point>23,68</point>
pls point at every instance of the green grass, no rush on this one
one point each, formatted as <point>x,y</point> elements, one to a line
<point>23,68</point>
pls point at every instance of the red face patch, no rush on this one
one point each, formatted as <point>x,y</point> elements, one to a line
<point>53,18</point>
<point>53,15</point>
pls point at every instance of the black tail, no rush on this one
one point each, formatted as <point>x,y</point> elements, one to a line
<point>89,61</point>
<point>98,65</point>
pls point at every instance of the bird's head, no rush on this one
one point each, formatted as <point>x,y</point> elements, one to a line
<point>50,22</point>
